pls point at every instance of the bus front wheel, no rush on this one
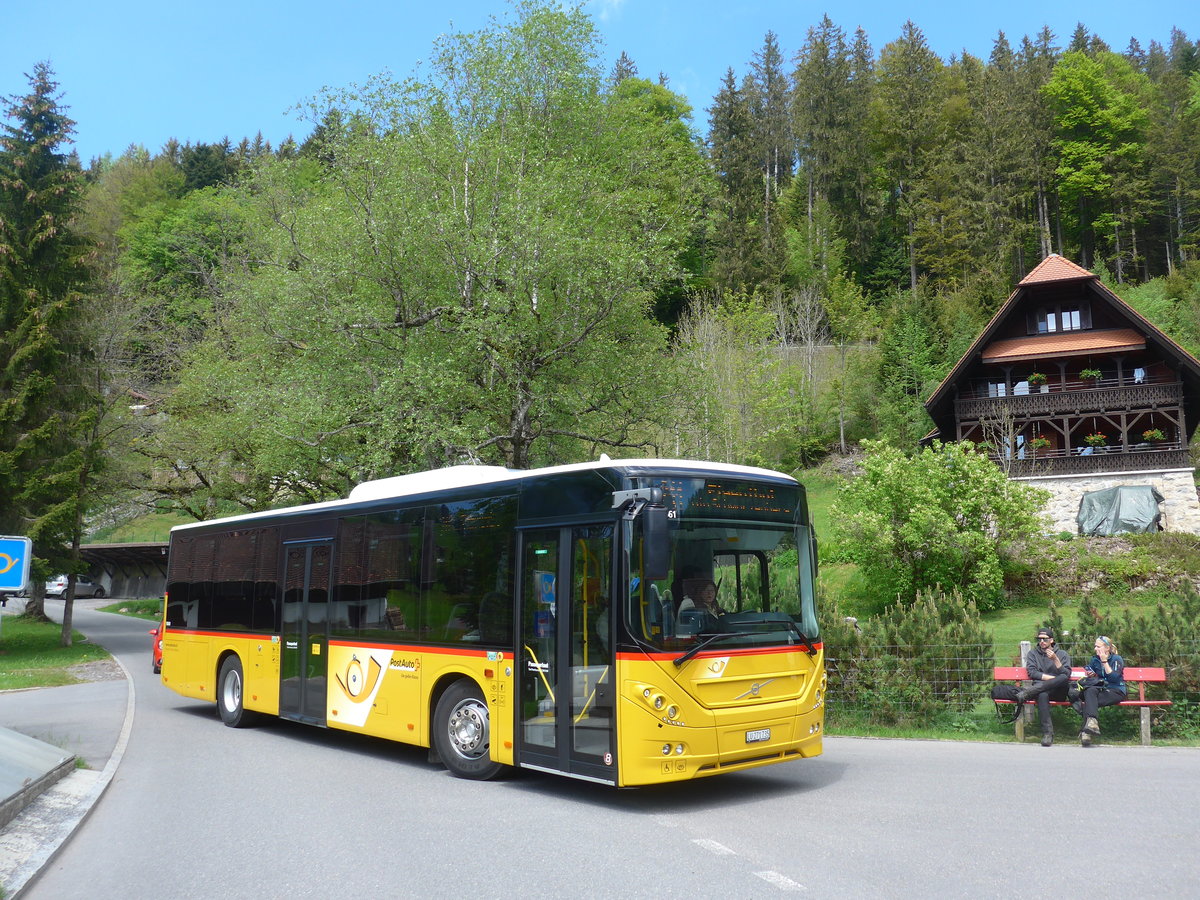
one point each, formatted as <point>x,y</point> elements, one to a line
<point>462,732</point>
<point>230,686</point>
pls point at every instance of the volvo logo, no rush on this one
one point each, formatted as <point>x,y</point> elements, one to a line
<point>754,689</point>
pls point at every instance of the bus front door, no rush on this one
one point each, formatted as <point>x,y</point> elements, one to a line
<point>565,660</point>
<point>305,636</point>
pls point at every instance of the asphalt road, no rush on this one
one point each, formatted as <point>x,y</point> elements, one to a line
<point>200,810</point>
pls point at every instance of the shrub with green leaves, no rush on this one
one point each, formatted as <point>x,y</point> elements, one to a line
<point>946,518</point>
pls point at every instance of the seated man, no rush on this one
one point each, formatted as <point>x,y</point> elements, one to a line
<point>1049,668</point>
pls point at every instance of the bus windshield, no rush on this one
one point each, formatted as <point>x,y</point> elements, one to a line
<point>731,585</point>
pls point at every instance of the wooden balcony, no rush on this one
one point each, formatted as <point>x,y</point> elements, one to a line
<point>1048,463</point>
<point>1073,398</point>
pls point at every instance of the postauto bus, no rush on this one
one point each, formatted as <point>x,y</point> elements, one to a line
<point>540,619</point>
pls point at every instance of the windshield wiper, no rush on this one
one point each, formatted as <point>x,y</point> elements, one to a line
<point>712,639</point>
<point>804,639</point>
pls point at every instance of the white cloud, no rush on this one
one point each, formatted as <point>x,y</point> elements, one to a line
<point>605,10</point>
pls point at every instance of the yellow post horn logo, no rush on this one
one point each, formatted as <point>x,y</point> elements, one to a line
<point>357,687</point>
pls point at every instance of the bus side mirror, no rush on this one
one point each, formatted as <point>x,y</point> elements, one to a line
<point>656,552</point>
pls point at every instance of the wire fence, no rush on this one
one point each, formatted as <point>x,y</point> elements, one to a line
<point>943,683</point>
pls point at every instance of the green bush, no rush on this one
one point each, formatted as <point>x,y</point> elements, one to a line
<point>911,663</point>
<point>946,519</point>
<point>1165,638</point>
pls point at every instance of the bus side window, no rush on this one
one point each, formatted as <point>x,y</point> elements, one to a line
<point>495,618</point>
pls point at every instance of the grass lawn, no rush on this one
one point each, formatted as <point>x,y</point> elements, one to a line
<point>821,489</point>
<point>31,654</point>
<point>146,529</point>
<point>146,608</point>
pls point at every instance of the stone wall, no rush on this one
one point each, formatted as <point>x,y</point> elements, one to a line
<point>1180,506</point>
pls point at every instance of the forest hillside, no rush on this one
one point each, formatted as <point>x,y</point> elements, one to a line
<point>521,257</point>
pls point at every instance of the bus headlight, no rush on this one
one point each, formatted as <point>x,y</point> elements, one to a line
<point>672,712</point>
<point>679,749</point>
<point>666,749</point>
<point>660,701</point>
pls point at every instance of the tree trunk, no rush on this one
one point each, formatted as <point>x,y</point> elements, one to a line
<point>35,605</point>
<point>1043,216</point>
<point>912,256</point>
<point>1179,225</point>
<point>1058,229</point>
<point>1117,251</point>
<point>68,615</point>
<point>842,400</point>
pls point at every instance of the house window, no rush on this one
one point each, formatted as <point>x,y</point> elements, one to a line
<point>997,389</point>
<point>1051,319</point>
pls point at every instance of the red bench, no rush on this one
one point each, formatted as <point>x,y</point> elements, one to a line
<point>1135,677</point>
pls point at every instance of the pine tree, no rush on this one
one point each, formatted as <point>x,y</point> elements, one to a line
<point>1080,39</point>
<point>820,106</point>
<point>908,123</point>
<point>1172,138</point>
<point>623,68</point>
<point>995,155</point>
<point>769,95</point>
<point>736,248</point>
<point>1035,65</point>
<point>42,273</point>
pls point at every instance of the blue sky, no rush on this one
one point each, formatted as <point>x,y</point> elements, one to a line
<point>142,72</point>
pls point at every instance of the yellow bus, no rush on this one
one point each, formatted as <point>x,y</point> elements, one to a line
<point>551,619</point>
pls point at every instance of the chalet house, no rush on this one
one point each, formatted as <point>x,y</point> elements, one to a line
<point>1073,390</point>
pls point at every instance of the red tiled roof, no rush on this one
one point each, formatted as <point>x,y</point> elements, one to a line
<point>1063,344</point>
<point>1055,268</point>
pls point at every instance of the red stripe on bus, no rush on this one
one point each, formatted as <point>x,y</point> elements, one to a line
<point>472,651</point>
<point>717,652</point>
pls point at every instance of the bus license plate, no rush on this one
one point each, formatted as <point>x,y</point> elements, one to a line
<point>753,737</point>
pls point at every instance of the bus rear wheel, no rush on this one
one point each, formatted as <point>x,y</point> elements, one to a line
<point>462,732</point>
<point>230,686</point>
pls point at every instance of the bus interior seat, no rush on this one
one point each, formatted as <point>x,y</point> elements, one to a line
<point>461,620</point>
<point>495,618</point>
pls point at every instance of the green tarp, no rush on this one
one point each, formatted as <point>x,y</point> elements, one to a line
<point>1120,510</point>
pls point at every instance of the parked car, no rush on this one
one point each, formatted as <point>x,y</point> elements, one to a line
<point>84,587</point>
<point>156,649</point>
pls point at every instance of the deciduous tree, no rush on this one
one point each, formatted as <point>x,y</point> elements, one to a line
<point>469,276</point>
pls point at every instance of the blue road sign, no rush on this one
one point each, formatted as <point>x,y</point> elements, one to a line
<point>15,553</point>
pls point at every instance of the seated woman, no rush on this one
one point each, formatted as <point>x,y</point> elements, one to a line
<point>1103,686</point>
<point>700,594</point>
